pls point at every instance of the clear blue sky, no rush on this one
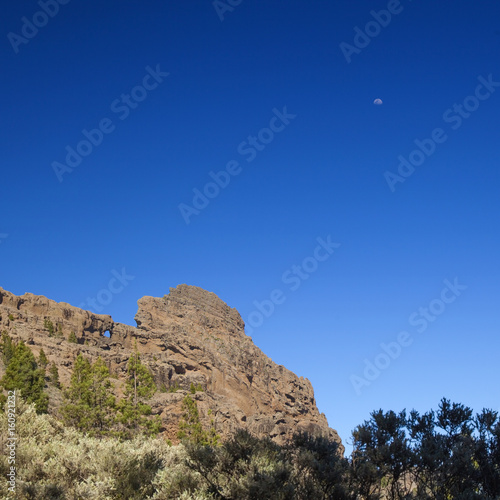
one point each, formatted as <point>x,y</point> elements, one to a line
<point>322,173</point>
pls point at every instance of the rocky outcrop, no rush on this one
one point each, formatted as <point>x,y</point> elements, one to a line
<point>188,336</point>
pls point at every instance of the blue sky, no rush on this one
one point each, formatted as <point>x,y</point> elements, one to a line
<point>317,170</point>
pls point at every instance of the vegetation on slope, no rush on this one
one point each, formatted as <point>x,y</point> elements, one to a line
<point>101,449</point>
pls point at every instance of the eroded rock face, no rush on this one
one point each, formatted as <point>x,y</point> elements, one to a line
<point>188,336</point>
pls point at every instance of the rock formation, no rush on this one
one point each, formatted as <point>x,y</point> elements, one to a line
<point>188,336</point>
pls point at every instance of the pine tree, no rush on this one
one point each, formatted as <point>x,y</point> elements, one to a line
<point>7,347</point>
<point>140,382</point>
<point>139,385</point>
<point>190,427</point>
<point>72,338</point>
<point>89,401</point>
<point>103,401</point>
<point>54,375</point>
<point>42,360</point>
<point>22,373</point>
<point>49,326</point>
<point>76,409</point>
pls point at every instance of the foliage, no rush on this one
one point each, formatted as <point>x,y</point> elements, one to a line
<point>22,373</point>
<point>174,388</point>
<point>54,461</point>
<point>140,383</point>
<point>90,405</point>
<point>190,427</point>
<point>77,398</point>
<point>194,389</point>
<point>437,455</point>
<point>137,418</point>
<point>7,348</point>
<point>449,453</point>
<point>318,469</point>
<point>72,338</point>
<point>42,360</point>
<point>244,467</point>
<point>453,455</point>
<point>49,326</point>
<point>382,455</point>
<point>134,412</point>
<point>54,376</point>
<point>89,402</point>
<point>139,386</point>
<point>102,399</point>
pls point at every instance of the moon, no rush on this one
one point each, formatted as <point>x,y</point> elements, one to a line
<point>377,102</point>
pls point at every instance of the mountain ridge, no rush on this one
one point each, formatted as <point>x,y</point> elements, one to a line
<point>189,336</point>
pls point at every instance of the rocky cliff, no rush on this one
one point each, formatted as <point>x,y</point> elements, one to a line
<point>188,336</point>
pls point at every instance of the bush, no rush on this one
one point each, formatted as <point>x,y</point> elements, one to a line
<point>190,428</point>
<point>49,326</point>
<point>54,461</point>
<point>54,376</point>
<point>174,388</point>
<point>243,468</point>
<point>22,373</point>
<point>453,455</point>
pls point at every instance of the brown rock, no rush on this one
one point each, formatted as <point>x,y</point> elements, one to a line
<point>188,336</point>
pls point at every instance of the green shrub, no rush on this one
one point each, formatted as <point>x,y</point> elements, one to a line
<point>194,389</point>
<point>54,461</point>
<point>49,326</point>
<point>22,374</point>
<point>54,376</point>
<point>7,347</point>
<point>191,429</point>
<point>42,361</point>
